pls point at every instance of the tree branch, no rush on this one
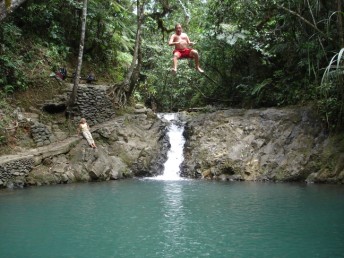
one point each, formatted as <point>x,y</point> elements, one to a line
<point>304,20</point>
<point>7,8</point>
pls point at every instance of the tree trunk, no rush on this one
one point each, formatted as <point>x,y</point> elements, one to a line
<point>122,92</point>
<point>140,16</point>
<point>72,99</point>
<point>138,62</point>
<point>305,21</point>
<point>8,6</point>
<point>340,23</point>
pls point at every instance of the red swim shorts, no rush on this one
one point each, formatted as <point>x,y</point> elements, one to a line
<point>184,53</point>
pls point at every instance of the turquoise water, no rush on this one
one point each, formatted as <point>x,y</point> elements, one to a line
<point>185,218</point>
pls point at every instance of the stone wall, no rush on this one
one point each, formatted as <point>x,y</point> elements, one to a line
<point>41,134</point>
<point>15,169</point>
<point>93,104</point>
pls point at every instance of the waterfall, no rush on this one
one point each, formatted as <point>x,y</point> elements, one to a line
<point>175,154</point>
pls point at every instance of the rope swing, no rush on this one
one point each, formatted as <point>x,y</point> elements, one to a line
<point>169,75</point>
<point>186,12</point>
<point>187,20</point>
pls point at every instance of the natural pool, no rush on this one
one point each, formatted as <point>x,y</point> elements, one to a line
<point>173,218</point>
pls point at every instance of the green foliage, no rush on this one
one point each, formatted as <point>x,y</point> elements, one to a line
<point>5,118</point>
<point>11,76</point>
<point>2,133</point>
<point>56,53</point>
<point>169,91</point>
<point>50,31</point>
<point>254,53</point>
<point>331,92</point>
<point>276,55</point>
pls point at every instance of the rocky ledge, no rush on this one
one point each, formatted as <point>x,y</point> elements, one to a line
<point>235,144</point>
<point>272,144</point>
<point>129,145</point>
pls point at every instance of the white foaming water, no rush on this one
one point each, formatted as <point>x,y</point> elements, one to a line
<point>175,154</point>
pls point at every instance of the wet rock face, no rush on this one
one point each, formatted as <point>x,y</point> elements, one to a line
<point>130,145</point>
<point>139,141</point>
<point>235,144</point>
<point>264,145</point>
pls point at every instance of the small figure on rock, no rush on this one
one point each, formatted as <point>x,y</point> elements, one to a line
<point>91,78</point>
<point>61,73</point>
<point>85,129</point>
<point>181,43</point>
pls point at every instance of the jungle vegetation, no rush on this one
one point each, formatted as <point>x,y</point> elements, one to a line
<point>267,53</point>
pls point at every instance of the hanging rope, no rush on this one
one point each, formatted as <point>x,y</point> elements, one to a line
<point>168,75</point>
<point>210,79</point>
<point>206,97</point>
<point>186,12</point>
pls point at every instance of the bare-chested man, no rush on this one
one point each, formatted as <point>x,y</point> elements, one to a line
<point>181,41</point>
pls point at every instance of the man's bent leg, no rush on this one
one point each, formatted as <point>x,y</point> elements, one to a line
<point>175,62</point>
<point>194,55</point>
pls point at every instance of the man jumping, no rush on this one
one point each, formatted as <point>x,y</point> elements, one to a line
<point>181,41</point>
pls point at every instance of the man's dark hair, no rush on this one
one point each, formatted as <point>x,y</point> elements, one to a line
<point>177,25</point>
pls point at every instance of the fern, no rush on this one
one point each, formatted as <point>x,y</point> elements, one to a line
<point>331,88</point>
<point>259,87</point>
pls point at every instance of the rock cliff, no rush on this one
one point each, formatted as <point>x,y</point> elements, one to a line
<point>129,145</point>
<point>273,144</point>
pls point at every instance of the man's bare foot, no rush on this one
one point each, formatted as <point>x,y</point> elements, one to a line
<point>174,71</point>
<point>199,69</point>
